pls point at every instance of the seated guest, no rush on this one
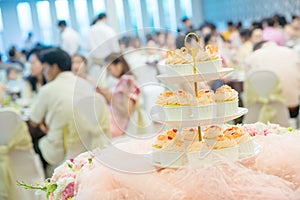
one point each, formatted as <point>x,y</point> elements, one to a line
<point>271,33</point>
<point>122,97</point>
<point>54,112</point>
<point>285,63</point>
<point>14,85</point>
<point>80,68</point>
<point>36,79</point>
<point>256,35</point>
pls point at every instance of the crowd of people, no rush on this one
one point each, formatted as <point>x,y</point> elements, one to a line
<point>120,69</point>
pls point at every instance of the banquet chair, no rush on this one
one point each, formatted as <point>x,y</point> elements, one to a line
<point>264,98</point>
<point>18,161</point>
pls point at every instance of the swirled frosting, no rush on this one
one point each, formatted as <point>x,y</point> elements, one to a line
<point>179,98</point>
<point>226,93</point>
<point>224,142</point>
<point>179,56</point>
<point>212,132</point>
<point>205,97</point>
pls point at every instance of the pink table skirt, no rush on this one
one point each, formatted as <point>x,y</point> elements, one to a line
<point>272,174</point>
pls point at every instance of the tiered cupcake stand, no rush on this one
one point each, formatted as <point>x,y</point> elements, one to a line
<point>192,121</point>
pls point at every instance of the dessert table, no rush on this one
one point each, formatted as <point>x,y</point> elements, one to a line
<point>124,171</point>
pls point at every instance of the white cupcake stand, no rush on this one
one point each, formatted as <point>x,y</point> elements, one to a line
<point>158,115</point>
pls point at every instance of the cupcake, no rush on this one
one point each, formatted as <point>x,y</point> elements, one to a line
<point>224,142</point>
<point>208,61</point>
<point>227,101</point>
<point>205,104</point>
<point>179,56</point>
<point>226,147</point>
<point>179,62</point>
<point>205,97</point>
<point>171,149</point>
<point>190,134</point>
<point>212,132</point>
<point>237,133</point>
<point>177,106</point>
<point>168,143</point>
<point>164,139</point>
<point>195,146</point>
<point>179,98</point>
<point>198,153</point>
<point>242,138</point>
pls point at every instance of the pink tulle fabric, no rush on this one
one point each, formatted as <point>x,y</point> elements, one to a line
<point>274,174</point>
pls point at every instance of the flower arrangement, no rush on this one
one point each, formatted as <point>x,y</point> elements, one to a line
<point>260,128</point>
<point>63,184</point>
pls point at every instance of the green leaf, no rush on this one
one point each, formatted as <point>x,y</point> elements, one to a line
<point>51,188</point>
<point>70,165</point>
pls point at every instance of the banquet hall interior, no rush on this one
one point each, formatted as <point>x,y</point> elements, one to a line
<point>83,81</point>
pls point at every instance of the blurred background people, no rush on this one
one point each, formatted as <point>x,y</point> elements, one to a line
<point>70,40</point>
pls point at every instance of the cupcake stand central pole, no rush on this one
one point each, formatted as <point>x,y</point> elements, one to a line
<point>194,52</point>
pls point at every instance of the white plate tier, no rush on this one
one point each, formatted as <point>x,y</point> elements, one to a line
<point>194,78</point>
<point>257,149</point>
<point>157,117</point>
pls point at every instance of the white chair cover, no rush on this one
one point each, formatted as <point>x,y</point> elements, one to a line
<point>18,161</point>
<point>264,98</point>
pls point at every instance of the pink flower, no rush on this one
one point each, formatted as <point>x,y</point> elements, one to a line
<point>79,164</point>
<point>266,132</point>
<point>69,191</point>
<point>252,130</point>
<point>68,175</point>
<point>72,160</point>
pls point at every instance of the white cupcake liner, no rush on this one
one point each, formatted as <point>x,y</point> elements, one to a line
<point>199,157</point>
<point>210,66</point>
<point>169,158</point>
<point>180,69</point>
<point>246,149</point>
<point>181,113</point>
<point>230,153</point>
<point>227,108</point>
<point>156,155</point>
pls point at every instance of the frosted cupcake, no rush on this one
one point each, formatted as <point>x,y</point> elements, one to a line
<point>205,104</point>
<point>227,101</point>
<point>179,62</point>
<point>198,153</point>
<point>226,147</point>
<point>179,98</point>
<point>177,106</point>
<point>242,138</point>
<point>190,134</point>
<point>237,133</point>
<point>165,138</point>
<point>205,97</point>
<point>208,61</point>
<point>212,132</point>
<point>168,149</point>
<point>224,142</point>
<point>179,56</point>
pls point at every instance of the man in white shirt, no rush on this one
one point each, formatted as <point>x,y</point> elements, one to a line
<point>70,40</point>
<point>285,63</point>
<point>54,110</point>
<point>102,40</point>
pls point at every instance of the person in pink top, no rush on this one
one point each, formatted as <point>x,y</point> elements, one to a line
<point>122,98</point>
<point>271,33</point>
